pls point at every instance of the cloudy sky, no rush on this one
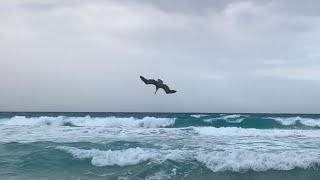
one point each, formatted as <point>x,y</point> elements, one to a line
<point>221,56</point>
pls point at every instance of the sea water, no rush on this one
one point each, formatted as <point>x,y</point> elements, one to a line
<point>159,146</point>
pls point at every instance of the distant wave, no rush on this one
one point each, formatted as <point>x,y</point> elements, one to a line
<point>199,115</point>
<point>266,122</point>
<point>230,120</point>
<point>146,122</point>
<point>131,156</point>
<point>288,121</point>
<point>233,118</point>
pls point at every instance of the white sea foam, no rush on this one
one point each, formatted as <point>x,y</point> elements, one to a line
<point>127,157</point>
<point>287,121</point>
<point>131,156</point>
<point>158,135</point>
<point>146,122</point>
<point>239,132</point>
<point>159,176</point>
<point>236,160</point>
<point>239,161</point>
<point>199,115</point>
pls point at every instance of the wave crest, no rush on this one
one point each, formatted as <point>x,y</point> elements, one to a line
<point>199,115</point>
<point>233,118</point>
<point>288,121</point>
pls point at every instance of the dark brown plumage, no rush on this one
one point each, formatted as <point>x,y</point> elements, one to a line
<point>158,84</point>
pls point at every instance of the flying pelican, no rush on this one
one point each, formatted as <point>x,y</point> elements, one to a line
<point>158,84</point>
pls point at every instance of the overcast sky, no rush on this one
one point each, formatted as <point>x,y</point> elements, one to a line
<point>221,56</point>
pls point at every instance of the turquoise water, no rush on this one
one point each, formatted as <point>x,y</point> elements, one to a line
<point>159,146</point>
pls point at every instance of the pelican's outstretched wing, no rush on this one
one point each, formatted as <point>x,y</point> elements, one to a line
<point>167,89</point>
<point>149,81</point>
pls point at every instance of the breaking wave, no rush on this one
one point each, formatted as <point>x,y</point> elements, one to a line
<point>235,131</point>
<point>131,156</point>
<point>241,161</point>
<point>217,161</point>
<point>196,120</point>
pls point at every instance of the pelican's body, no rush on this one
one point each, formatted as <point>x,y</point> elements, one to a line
<point>158,84</point>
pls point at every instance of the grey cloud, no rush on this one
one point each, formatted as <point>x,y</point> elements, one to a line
<point>243,56</point>
<point>186,6</point>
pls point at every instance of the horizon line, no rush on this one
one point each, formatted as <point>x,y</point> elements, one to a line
<point>284,113</point>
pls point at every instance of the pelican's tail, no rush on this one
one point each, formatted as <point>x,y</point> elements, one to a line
<point>171,91</point>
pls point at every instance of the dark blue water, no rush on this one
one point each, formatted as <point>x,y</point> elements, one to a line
<point>159,146</point>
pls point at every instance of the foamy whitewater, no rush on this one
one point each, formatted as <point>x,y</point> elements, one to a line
<point>159,146</point>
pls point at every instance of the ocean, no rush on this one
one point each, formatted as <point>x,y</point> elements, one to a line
<point>154,146</point>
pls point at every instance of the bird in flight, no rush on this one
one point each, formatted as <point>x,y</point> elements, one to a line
<point>158,84</point>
